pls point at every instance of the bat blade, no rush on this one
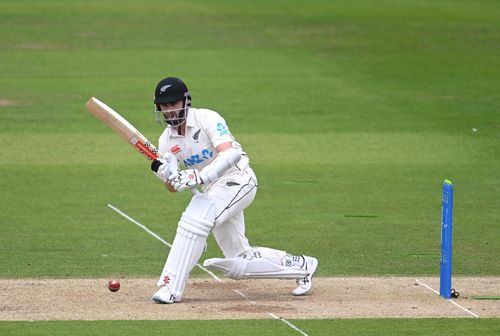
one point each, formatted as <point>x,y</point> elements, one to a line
<point>122,127</point>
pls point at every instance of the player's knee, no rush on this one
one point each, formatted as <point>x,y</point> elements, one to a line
<point>199,216</point>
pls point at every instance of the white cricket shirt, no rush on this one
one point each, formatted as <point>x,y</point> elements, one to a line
<point>205,130</point>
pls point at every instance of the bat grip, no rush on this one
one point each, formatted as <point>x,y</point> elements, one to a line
<point>155,165</point>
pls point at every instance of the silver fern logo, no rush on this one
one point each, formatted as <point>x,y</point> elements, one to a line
<point>196,136</point>
<point>164,88</point>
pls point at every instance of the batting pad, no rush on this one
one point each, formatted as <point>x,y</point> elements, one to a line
<point>258,268</point>
<point>189,243</point>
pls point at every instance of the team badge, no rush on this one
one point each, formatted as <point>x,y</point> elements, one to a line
<point>196,136</point>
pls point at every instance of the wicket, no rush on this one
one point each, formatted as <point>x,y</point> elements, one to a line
<point>445,289</point>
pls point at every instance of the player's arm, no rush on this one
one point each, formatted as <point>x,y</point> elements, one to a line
<point>227,157</point>
<point>169,186</point>
<point>224,146</point>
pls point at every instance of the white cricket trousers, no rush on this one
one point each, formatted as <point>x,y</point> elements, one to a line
<point>231,195</point>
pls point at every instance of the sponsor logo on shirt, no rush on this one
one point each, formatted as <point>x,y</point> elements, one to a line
<point>222,129</point>
<point>176,149</point>
<point>198,158</point>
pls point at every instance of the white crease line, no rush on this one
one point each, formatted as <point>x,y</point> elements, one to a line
<point>121,213</point>
<point>450,300</point>
<point>432,289</point>
<point>244,296</point>
<point>157,237</point>
<point>287,323</point>
<point>240,293</point>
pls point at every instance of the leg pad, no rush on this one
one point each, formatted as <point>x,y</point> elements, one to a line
<point>257,268</point>
<point>189,243</point>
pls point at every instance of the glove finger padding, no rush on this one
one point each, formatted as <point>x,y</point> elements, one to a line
<point>189,178</point>
<point>173,177</point>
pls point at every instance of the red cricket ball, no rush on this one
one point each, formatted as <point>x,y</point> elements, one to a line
<point>113,285</point>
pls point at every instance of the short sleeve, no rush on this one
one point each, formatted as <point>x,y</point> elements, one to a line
<point>216,128</point>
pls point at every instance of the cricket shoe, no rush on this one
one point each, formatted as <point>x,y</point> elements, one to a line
<point>305,284</point>
<point>163,296</point>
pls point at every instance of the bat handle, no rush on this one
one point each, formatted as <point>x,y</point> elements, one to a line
<point>155,164</point>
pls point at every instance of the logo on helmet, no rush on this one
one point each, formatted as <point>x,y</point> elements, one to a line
<point>164,88</point>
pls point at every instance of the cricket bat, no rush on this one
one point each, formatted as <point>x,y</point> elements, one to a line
<point>122,127</point>
<point>128,132</point>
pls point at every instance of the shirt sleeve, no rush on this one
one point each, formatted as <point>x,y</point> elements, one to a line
<point>216,128</point>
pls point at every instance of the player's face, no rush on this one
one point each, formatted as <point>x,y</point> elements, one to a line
<point>171,109</point>
<point>173,113</point>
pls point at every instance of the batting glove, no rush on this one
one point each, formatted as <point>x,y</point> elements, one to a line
<point>165,167</point>
<point>186,179</point>
<point>160,169</point>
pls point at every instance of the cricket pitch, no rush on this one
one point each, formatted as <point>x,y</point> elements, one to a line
<point>205,298</point>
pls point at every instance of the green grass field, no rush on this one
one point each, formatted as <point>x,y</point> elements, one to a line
<point>353,114</point>
<point>390,327</point>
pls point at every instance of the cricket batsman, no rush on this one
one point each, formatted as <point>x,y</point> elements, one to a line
<point>200,141</point>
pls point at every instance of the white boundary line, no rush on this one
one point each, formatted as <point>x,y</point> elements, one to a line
<point>123,214</point>
<point>449,300</point>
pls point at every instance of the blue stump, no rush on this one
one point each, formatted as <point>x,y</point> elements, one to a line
<point>446,240</point>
